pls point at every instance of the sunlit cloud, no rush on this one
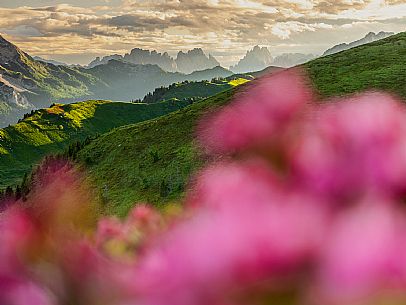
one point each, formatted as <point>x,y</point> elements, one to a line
<point>76,32</point>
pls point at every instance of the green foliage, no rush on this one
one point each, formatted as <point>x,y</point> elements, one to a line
<point>197,90</point>
<point>149,161</point>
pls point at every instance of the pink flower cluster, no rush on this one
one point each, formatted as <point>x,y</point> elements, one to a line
<point>304,205</point>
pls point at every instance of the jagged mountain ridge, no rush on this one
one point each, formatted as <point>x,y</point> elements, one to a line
<point>185,62</point>
<point>370,37</point>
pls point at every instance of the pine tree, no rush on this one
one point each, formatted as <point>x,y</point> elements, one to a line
<point>25,186</point>
<point>9,192</point>
<point>18,193</point>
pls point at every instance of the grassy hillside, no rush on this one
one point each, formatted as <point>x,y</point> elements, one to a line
<point>153,160</point>
<point>377,65</point>
<point>52,129</point>
<point>149,161</point>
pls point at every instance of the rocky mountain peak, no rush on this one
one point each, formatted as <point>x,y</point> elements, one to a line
<point>258,58</point>
<point>8,51</point>
<point>194,60</point>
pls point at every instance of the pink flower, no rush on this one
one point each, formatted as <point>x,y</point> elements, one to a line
<point>19,235</point>
<point>246,234</point>
<point>258,116</point>
<point>236,185</point>
<point>364,255</point>
<point>353,147</point>
<point>19,238</point>
<point>23,293</point>
<point>109,228</point>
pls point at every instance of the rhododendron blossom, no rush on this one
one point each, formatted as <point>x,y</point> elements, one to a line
<point>302,205</point>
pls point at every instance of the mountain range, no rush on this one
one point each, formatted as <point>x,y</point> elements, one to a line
<point>185,62</point>
<point>27,84</point>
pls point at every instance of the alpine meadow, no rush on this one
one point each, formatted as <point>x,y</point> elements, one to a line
<point>184,152</point>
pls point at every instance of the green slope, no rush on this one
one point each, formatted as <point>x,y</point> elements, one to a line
<point>52,129</point>
<point>153,160</point>
<point>377,65</point>
<point>149,161</point>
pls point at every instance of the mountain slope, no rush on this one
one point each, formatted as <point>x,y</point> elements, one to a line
<point>147,162</point>
<point>152,161</point>
<point>51,130</point>
<point>377,65</point>
<point>26,84</point>
<point>194,60</point>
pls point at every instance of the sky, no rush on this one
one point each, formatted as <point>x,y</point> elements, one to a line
<point>76,31</point>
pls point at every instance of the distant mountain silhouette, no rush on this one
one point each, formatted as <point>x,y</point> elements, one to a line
<point>50,61</point>
<point>370,37</point>
<point>193,60</point>
<point>104,60</point>
<point>287,60</point>
<point>256,59</point>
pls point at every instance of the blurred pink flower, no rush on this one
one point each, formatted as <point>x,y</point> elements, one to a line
<point>364,255</point>
<point>235,185</point>
<point>353,147</point>
<point>239,236</point>
<point>259,227</point>
<point>259,115</point>
<point>23,293</point>
<point>18,241</point>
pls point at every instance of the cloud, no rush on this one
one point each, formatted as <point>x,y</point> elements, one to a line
<point>172,25</point>
<point>284,29</point>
